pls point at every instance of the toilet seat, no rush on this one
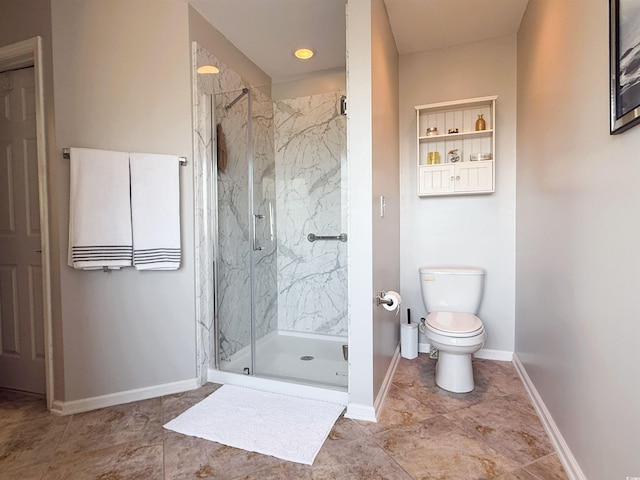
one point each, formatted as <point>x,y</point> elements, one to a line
<point>455,324</point>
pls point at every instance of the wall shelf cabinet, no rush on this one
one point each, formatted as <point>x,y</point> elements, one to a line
<point>437,174</point>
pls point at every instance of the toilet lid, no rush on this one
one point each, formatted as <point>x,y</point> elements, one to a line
<point>456,323</point>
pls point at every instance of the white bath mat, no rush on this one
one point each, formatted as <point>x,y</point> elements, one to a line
<point>286,427</point>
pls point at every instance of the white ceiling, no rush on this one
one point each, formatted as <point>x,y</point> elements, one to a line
<point>420,25</point>
<point>268,31</point>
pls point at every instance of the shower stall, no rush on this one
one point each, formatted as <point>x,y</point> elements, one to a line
<point>276,225</point>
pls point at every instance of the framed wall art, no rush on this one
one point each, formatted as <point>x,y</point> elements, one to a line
<point>624,41</point>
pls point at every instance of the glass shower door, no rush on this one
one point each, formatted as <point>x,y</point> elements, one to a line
<point>233,250</point>
<point>246,307</point>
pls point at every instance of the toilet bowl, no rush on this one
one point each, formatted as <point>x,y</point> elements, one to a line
<point>452,297</point>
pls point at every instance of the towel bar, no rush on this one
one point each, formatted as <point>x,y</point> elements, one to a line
<point>66,153</point>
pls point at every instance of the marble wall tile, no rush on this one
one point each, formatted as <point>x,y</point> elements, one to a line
<point>310,143</point>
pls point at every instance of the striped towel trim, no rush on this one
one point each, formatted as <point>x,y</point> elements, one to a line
<point>156,255</point>
<point>97,253</point>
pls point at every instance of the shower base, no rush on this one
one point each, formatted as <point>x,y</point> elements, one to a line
<point>308,365</point>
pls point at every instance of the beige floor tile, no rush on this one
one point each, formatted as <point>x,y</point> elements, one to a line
<point>417,380</point>
<point>138,422</point>
<point>495,378</point>
<point>548,468</point>
<point>520,474</point>
<point>190,457</point>
<point>437,448</point>
<point>275,472</point>
<point>122,462</point>
<point>507,427</point>
<point>423,432</point>
<point>20,407</point>
<point>31,472</point>
<point>456,457</point>
<point>344,431</point>
<point>399,410</point>
<point>30,442</point>
<point>360,459</point>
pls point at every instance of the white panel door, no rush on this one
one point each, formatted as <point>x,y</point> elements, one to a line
<point>21,313</point>
<point>474,176</point>
<point>435,179</point>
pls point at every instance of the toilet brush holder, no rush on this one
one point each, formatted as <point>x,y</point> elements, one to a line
<point>409,340</point>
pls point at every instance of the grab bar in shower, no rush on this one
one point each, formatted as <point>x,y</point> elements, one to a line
<point>312,237</point>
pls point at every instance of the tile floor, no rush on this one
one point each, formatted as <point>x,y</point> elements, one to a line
<point>423,433</point>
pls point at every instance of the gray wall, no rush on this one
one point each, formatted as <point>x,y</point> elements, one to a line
<point>373,166</point>
<point>467,229</point>
<point>385,182</point>
<point>578,191</point>
<point>122,82</point>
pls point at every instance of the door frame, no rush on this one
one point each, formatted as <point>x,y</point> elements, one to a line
<point>28,53</point>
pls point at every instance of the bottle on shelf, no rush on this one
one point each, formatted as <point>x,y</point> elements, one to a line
<point>481,124</point>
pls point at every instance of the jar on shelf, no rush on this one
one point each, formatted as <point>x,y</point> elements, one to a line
<point>454,155</point>
<point>481,124</point>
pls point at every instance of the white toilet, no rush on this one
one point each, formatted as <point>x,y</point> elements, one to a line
<point>452,297</point>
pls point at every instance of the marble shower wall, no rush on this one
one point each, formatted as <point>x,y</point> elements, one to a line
<point>234,222</point>
<point>203,181</point>
<point>310,142</point>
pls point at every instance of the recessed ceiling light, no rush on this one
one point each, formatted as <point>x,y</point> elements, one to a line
<point>304,53</point>
<point>208,69</point>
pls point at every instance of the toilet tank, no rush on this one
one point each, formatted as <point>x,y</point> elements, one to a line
<point>451,289</point>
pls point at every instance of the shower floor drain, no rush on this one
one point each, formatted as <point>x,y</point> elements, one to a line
<point>306,358</point>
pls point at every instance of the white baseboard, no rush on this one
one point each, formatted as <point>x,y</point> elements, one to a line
<point>386,383</point>
<point>356,411</point>
<point>562,449</point>
<point>484,353</point>
<point>61,407</point>
<point>500,355</point>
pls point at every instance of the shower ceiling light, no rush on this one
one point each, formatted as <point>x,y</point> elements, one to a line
<point>208,69</point>
<point>304,53</point>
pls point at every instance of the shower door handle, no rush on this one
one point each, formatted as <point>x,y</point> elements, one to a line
<point>255,240</point>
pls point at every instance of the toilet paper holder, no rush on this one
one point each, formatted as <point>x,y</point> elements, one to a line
<point>382,299</point>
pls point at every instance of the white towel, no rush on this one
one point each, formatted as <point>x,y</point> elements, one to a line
<point>99,209</point>
<point>155,208</point>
